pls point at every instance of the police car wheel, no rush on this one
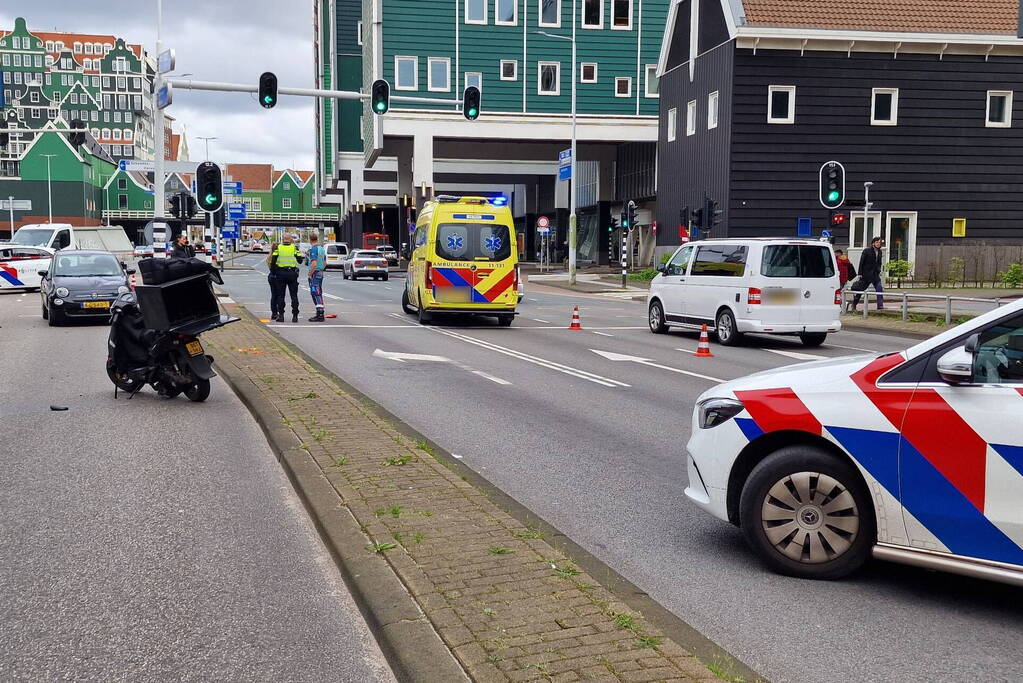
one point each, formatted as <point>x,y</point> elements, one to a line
<point>656,318</point>
<point>808,514</point>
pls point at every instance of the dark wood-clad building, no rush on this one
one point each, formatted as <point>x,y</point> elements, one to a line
<point>914,96</point>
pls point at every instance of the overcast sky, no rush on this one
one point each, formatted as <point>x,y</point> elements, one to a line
<point>215,40</point>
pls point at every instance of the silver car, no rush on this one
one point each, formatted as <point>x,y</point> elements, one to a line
<point>364,263</point>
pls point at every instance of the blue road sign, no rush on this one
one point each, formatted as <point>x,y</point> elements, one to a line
<point>564,172</point>
<point>804,227</point>
<point>165,97</point>
<point>565,157</point>
<point>237,211</point>
<point>122,165</point>
<point>231,225</point>
<point>826,235</point>
<point>229,234</point>
<point>233,187</point>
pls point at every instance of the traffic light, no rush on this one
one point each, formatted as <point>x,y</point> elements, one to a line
<point>471,102</point>
<point>832,185</point>
<point>209,185</point>
<point>219,218</point>
<point>268,90</point>
<point>711,213</point>
<point>381,97</point>
<point>175,202</point>
<point>614,225</point>
<point>77,139</point>
<point>698,218</point>
<point>5,138</point>
<point>630,212</point>
<point>838,219</point>
<point>625,219</point>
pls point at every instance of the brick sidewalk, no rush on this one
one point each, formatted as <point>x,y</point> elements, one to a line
<point>507,603</point>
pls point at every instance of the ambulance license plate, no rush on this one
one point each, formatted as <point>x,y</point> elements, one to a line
<point>194,348</point>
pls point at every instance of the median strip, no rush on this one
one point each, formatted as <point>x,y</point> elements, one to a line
<point>455,580</point>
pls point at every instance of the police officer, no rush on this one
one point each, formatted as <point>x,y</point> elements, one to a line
<point>276,288</point>
<point>284,262</point>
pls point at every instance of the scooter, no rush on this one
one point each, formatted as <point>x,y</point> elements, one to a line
<point>171,362</point>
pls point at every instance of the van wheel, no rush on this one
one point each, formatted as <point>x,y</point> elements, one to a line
<point>386,278</point>
<point>405,304</point>
<point>424,317</point>
<point>505,320</point>
<point>656,318</point>
<point>807,514</point>
<point>813,339</point>
<point>725,328</point>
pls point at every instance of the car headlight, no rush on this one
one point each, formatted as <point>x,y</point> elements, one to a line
<point>58,302</point>
<point>61,291</point>
<point>123,290</point>
<point>714,411</point>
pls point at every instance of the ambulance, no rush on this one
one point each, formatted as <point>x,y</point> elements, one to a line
<point>464,260</point>
<point>912,457</point>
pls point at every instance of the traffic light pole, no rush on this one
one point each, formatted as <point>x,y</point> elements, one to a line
<point>160,124</point>
<point>302,92</point>
<point>625,258</point>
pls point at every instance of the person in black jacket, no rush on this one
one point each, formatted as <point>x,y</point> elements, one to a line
<point>182,249</point>
<point>871,267</point>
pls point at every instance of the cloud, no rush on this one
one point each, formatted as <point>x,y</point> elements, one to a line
<point>223,40</point>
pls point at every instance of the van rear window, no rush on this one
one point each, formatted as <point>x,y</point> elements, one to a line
<point>802,260</point>
<point>469,241</point>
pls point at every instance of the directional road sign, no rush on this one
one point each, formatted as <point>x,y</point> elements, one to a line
<point>166,61</point>
<point>564,172</point>
<point>565,157</point>
<point>234,187</point>
<point>19,204</point>
<point>229,234</point>
<point>142,166</point>
<point>165,97</point>
<point>237,211</point>
<point>231,225</point>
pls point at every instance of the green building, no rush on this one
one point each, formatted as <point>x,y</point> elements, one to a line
<point>519,53</point>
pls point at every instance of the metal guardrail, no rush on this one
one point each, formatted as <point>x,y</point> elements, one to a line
<point>848,295</point>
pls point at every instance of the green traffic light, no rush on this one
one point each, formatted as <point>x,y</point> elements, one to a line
<point>473,112</point>
<point>381,107</point>
<point>268,99</point>
<point>834,195</point>
<point>211,199</point>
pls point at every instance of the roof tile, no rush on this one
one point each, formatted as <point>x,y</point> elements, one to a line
<point>911,16</point>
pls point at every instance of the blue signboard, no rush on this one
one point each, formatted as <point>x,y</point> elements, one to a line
<point>237,211</point>
<point>229,234</point>
<point>232,187</point>
<point>231,225</point>
<point>564,172</point>
<point>804,227</point>
<point>826,235</point>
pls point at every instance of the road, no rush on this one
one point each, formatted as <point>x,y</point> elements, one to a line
<point>151,539</point>
<point>596,445</point>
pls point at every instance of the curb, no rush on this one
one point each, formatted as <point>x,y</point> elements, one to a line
<point>413,649</point>
<point>889,332</point>
<point>412,646</point>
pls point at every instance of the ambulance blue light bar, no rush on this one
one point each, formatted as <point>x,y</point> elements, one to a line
<point>499,201</point>
<point>474,217</point>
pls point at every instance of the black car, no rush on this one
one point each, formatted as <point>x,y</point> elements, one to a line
<point>82,285</point>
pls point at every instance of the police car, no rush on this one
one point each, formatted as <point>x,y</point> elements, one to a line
<point>914,457</point>
<point>20,266</point>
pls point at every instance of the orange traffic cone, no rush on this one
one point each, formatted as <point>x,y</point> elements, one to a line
<point>703,350</point>
<point>575,320</point>
<point>131,282</point>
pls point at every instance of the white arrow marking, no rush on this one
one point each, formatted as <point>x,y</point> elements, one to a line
<point>405,357</point>
<point>621,357</point>
<point>795,354</point>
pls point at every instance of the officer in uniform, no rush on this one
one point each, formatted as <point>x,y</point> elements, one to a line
<point>284,262</point>
<point>276,291</point>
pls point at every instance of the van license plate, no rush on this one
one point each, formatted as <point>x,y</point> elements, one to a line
<point>194,348</point>
<point>778,297</point>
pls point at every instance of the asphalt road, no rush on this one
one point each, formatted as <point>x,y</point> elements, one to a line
<point>596,447</point>
<point>152,539</point>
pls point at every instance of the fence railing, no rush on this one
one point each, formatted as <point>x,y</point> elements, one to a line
<point>848,295</point>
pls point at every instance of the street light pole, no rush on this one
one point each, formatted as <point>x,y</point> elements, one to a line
<point>159,124</point>
<point>49,188</point>
<point>207,141</point>
<point>10,205</point>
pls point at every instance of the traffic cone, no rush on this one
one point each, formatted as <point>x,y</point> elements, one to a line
<point>331,315</point>
<point>703,350</point>
<point>575,320</point>
<point>131,282</point>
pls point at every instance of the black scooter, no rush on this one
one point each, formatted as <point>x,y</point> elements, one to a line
<point>171,361</point>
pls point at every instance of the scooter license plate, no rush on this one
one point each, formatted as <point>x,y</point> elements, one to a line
<point>194,348</point>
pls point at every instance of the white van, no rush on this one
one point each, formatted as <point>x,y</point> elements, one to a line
<point>336,253</point>
<point>58,236</point>
<point>734,286</point>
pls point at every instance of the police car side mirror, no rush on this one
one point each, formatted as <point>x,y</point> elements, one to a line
<point>956,366</point>
<point>42,273</point>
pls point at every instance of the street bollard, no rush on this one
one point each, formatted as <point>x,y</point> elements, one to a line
<point>905,307</point>
<point>948,310</point>
<point>866,303</point>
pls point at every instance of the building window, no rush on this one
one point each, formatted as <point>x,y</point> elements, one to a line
<point>127,117</point>
<point>712,110</point>
<point>781,104</point>
<point>17,42</point>
<point>95,81</point>
<point>884,107</point>
<point>129,150</point>
<point>406,73</point>
<point>95,133</point>
<point>117,133</point>
<point>621,15</point>
<point>35,114</point>
<point>34,97</point>
<point>550,13</point>
<point>122,201</point>
<point>17,59</point>
<point>653,84</point>
<point>358,30</point>
<point>672,123</point>
<point>127,134</point>
<point>88,48</point>
<point>136,83</point>
<point>257,204</point>
<point>117,117</point>
<point>286,203</point>
<point>474,78</point>
<point>549,82</point>
<point>691,118</point>
<point>475,11</point>
<point>287,186</point>
<point>999,109</point>
<point>122,83</point>
<point>509,70</point>
<point>588,72</point>
<point>623,86</point>
<point>122,183</point>
<point>439,71</point>
<point>49,46</point>
<point>593,13</point>
<point>6,59</point>
<point>78,48</point>
<point>506,12</point>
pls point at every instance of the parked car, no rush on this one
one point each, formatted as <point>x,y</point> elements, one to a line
<point>144,251</point>
<point>20,266</point>
<point>735,286</point>
<point>910,457</point>
<point>364,263</point>
<point>258,248</point>
<point>82,284</point>
<point>336,253</point>
<point>390,254</point>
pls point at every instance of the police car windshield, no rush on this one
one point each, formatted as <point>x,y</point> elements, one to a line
<point>35,237</point>
<point>91,265</point>
<point>469,241</point>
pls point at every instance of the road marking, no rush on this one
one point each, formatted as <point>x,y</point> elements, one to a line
<point>602,334</point>
<point>498,380</point>
<point>404,357</point>
<point>796,355</point>
<point>535,360</point>
<point>331,296</point>
<point>226,300</point>
<point>851,348</point>
<point>537,320</point>
<point>323,326</point>
<point>686,351</point>
<point>620,357</point>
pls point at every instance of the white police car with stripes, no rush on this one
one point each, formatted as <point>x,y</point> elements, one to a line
<point>914,457</point>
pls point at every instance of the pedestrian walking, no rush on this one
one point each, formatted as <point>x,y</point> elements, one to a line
<point>182,249</point>
<point>316,257</point>
<point>846,271</point>
<point>871,267</point>
<point>284,260</point>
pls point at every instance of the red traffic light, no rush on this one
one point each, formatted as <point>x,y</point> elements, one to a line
<point>839,219</point>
